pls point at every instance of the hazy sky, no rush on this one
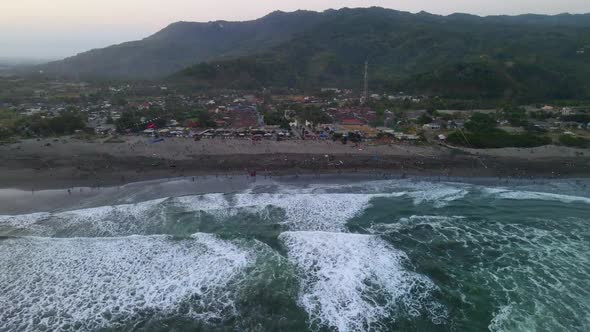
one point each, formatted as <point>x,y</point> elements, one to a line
<point>58,28</point>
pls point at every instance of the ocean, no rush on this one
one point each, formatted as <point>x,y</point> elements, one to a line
<point>299,254</point>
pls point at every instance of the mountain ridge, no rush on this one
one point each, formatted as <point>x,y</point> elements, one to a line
<point>306,48</point>
<point>402,48</point>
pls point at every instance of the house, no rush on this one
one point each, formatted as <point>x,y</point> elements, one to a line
<point>566,111</point>
<point>386,131</point>
<point>406,137</point>
<point>351,122</point>
<point>220,123</point>
<point>454,124</point>
<point>363,129</point>
<point>431,126</point>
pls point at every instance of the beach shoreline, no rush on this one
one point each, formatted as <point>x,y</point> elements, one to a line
<point>50,164</point>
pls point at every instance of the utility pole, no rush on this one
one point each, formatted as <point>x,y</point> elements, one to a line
<point>366,83</point>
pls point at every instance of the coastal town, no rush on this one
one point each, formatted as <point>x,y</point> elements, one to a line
<point>110,112</point>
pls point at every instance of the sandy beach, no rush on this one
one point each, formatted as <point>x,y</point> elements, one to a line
<point>62,163</point>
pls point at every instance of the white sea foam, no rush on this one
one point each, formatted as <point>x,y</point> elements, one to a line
<point>439,195</point>
<point>303,211</point>
<point>352,282</point>
<point>116,220</point>
<point>207,202</point>
<point>501,318</point>
<point>312,208</point>
<point>532,195</point>
<point>321,212</point>
<point>23,220</point>
<point>413,222</point>
<point>327,212</point>
<point>88,284</point>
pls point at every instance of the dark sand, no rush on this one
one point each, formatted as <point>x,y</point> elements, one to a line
<point>32,165</point>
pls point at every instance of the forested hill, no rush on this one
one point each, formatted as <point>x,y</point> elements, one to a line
<point>183,44</point>
<point>528,56</point>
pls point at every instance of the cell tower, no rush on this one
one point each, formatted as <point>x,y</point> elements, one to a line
<point>366,83</point>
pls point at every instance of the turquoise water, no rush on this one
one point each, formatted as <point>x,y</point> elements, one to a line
<point>387,255</point>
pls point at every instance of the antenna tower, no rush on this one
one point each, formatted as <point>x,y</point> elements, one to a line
<point>366,83</point>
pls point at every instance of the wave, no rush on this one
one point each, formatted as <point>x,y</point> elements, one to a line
<point>520,264</point>
<point>413,222</point>
<point>438,193</point>
<point>353,282</point>
<point>103,221</point>
<point>311,212</point>
<point>532,195</point>
<point>89,284</point>
<point>315,208</point>
<point>327,212</point>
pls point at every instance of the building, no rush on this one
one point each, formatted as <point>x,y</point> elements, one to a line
<point>432,126</point>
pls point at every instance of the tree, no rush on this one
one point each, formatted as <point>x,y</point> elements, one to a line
<point>424,119</point>
<point>126,121</point>
<point>314,114</point>
<point>64,124</point>
<point>574,141</point>
<point>481,122</point>
<point>9,121</point>
<point>516,116</point>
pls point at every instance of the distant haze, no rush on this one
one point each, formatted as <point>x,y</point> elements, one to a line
<point>59,28</point>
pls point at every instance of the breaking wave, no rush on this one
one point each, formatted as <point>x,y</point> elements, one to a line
<point>353,282</point>
<point>326,212</point>
<point>88,284</point>
<point>532,195</point>
<point>518,265</point>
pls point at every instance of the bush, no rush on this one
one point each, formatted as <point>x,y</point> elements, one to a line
<point>276,119</point>
<point>497,139</point>
<point>481,122</point>
<point>424,119</point>
<point>574,141</point>
<point>64,124</point>
<point>9,121</point>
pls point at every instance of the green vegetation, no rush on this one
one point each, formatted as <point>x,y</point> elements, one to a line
<point>275,118</point>
<point>13,124</point>
<point>200,117</point>
<point>482,133</point>
<point>183,44</point>
<point>480,122</point>
<point>9,122</point>
<point>313,114</point>
<point>424,119</point>
<point>130,120</point>
<point>64,124</point>
<point>580,118</point>
<point>516,116</point>
<point>574,141</point>
<point>522,58</point>
<point>497,139</point>
<point>541,115</point>
<point>458,56</point>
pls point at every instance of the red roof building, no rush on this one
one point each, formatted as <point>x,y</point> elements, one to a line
<point>351,122</point>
